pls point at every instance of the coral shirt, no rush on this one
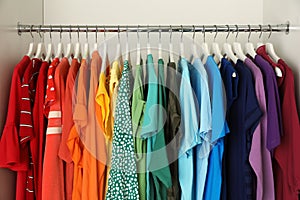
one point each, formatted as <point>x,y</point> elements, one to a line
<point>53,174</point>
<point>67,119</point>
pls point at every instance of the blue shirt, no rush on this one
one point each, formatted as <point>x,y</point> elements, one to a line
<point>199,84</point>
<point>189,130</point>
<point>219,130</point>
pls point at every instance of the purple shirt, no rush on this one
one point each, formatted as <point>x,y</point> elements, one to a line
<point>260,157</point>
<point>272,102</point>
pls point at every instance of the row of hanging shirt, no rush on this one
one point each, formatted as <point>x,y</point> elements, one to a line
<point>109,135</point>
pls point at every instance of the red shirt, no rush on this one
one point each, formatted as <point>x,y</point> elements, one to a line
<point>37,144</point>
<point>9,143</point>
<point>287,165</point>
<point>28,89</point>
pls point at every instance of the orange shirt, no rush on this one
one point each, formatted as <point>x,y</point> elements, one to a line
<point>68,123</point>
<point>94,154</point>
<point>74,142</point>
<point>53,174</point>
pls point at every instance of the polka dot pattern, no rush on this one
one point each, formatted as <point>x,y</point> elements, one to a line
<point>123,183</point>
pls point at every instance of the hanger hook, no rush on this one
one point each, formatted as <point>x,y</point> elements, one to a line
<point>203,31</point>
<point>261,31</point>
<point>86,33</point>
<point>137,33</point>
<point>216,32</point>
<point>96,34</point>
<point>50,33</point>
<point>181,33</point>
<point>127,33</point>
<point>60,33</point>
<point>160,34</point>
<point>170,31</point>
<point>148,33</point>
<point>237,32</point>
<point>194,32</point>
<point>249,33</point>
<point>31,27</point>
<point>104,32</point>
<point>70,35</point>
<point>119,33</point>
<point>39,32</point>
<point>228,30</point>
<point>78,33</point>
<point>270,29</point>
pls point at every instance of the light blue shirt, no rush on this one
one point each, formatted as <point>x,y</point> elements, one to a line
<point>219,130</point>
<point>199,82</point>
<point>189,130</point>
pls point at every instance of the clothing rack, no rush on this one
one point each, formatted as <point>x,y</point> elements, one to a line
<point>27,28</point>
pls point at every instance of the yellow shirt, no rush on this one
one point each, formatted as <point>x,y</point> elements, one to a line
<point>115,76</point>
<point>103,101</point>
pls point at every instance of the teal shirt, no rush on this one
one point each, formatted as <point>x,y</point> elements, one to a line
<point>158,172</point>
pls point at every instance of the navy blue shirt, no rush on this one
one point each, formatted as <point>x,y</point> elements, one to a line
<point>230,79</point>
<point>243,119</point>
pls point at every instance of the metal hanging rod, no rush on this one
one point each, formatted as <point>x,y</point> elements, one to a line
<point>26,28</point>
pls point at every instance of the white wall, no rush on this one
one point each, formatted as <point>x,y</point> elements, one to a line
<point>286,46</point>
<point>145,12</point>
<point>152,12</point>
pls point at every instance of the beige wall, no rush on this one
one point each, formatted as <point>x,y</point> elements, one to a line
<point>12,48</point>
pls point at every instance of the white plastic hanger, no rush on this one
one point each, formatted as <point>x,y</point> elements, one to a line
<point>249,48</point>
<point>41,50</point>
<point>237,48</point>
<point>228,49</point>
<point>70,48</point>
<point>159,46</point>
<point>271,52</point>
<point>127,46</point>
<point>171,46</point>
<point>96,39</point>
<point>216,49</point>
<point>86,47</point>
<point>32,45</point>
<point>104,60</point>
<point>194,46</point>
<point>60,46</point>
<point>118,52</point>
<point>77,49</point>
<point>148,42</point>
<point>50,51</point>
<point>204,47</point>
<point>138,48</point>
<point>182,54</point>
